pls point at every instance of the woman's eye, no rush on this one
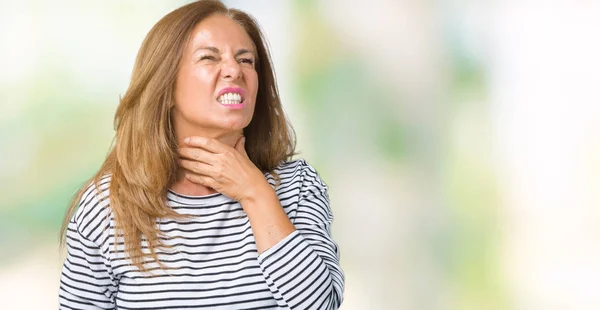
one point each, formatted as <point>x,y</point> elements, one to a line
<point>247,61</point>
<point>207,57</point>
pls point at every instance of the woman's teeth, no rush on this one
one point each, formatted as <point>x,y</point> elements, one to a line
<point>230,98</point>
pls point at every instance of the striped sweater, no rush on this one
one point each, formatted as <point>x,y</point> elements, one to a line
<point>212,261</point>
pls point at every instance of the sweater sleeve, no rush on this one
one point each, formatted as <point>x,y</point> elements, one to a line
<point>303,270</point>
<point>86,280</point>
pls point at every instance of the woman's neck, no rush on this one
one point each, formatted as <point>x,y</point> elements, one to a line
<point>227,138</point>
<point>184,186</point>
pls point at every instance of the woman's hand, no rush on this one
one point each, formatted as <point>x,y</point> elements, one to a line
<point>225,169</point>
<point>229,171</point>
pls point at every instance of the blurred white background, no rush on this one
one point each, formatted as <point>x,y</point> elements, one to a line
<point>460,139</point>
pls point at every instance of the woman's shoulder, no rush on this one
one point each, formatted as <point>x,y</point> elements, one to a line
<point>299,171</point>
<point>93,207</point>
<point>302,185</point>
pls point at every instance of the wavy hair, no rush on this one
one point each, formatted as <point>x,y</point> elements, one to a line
<point>142,161</point>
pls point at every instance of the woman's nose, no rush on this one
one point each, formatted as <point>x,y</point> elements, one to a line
<point>230,69</point>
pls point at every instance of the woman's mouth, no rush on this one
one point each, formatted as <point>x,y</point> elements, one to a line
<point>232,97</point>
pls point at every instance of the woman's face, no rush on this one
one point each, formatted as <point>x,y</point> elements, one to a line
<point>216,85</point>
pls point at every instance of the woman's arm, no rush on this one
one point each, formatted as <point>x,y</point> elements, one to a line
<point>229,171</point>
<point>300,261</point>
<point>86,281</point>
<point>270,224</point>
<point>304,267</point>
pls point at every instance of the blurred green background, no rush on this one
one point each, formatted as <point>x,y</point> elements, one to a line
<point>460,139</point>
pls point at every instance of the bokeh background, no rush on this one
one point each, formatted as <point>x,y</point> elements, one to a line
<point>460,139</point>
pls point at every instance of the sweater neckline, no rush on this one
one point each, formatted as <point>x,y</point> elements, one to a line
<point>196,200</point>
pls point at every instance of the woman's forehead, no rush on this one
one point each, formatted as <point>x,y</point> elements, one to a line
<point>220,31</point>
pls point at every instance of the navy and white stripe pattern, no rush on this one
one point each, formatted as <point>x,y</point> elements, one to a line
<point>212,262</point>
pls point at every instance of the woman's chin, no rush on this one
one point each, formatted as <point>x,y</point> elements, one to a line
<point>234,124</point>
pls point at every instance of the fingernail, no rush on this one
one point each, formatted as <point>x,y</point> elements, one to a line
<point>187,140</point>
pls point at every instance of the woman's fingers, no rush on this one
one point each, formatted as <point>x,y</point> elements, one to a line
<point>203,180</point>
<point>197,167</point>
<point>212,145</point>
<point>196,154</point>
<point>224,168</point>
<point>200,173</point>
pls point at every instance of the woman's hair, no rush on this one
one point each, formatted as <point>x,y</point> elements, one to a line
<point>142,162</point>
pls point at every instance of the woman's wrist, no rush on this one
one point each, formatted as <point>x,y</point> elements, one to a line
<point>270,224</point>
<point>260,190</point>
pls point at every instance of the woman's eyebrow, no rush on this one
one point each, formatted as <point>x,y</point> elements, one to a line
<point>216,50</point>
<point>210,48</point>
<point>244,51</point>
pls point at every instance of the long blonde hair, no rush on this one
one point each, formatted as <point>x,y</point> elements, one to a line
<point>143,160</point>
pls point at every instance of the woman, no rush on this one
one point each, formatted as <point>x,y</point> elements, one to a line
<point>198,205</point>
